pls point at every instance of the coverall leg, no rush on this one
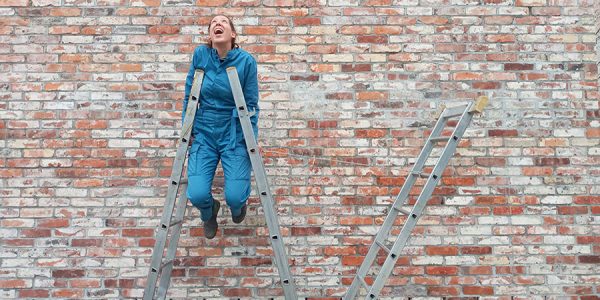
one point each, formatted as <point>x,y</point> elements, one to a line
<point>219,138</point>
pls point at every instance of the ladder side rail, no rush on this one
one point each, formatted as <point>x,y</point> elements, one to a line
<point>264,192</point>
<point>165,278</point>
<point>174,181</point>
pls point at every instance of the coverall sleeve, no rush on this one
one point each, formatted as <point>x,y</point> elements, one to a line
<point>251,85</point>
<point>251,93</point>
<point>188,83</point>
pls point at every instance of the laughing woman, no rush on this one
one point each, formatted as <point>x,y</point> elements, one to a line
<point>217,131</point>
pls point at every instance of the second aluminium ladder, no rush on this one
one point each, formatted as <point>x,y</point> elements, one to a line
<point>157,266</point>
<point>466,113</point>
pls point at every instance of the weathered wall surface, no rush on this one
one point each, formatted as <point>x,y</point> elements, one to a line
<point>90,100</point>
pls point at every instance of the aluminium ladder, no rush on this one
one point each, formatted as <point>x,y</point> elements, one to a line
<point>157,266</point>
<point>466,113</point>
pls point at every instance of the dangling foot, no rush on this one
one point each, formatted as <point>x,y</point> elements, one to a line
<point>239,218</point>
<point>211,226</point>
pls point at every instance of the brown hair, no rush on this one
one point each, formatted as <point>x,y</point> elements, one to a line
<point>233,43</point>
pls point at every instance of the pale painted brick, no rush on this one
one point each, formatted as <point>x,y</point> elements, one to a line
<point>496,240</point>
<point>557,239</point>
<point>428,260</point>
<point>557,200</point>
<point>460,260</point>
<point>526,220</point>
<point>130,143</point>
<point>575,249</point>
<point>430,240</point>
<point>476,230</point>
<point>498,220</point>
<point>71,192</point>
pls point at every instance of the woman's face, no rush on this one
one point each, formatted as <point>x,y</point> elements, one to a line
<point>220,31</point>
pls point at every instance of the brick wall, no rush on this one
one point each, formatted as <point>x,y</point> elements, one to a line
<point>90,100</point>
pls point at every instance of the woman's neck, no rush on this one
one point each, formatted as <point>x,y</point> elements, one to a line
<point>223,49</point>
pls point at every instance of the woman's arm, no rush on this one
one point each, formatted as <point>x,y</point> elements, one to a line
<point>251,85</point>
<point>188,83</point>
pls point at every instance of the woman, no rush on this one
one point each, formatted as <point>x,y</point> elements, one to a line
<point>217,131</point>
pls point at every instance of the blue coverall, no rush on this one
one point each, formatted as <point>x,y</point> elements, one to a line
<point>217,131</point>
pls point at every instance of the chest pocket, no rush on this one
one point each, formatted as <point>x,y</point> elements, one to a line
<point>216,87</point>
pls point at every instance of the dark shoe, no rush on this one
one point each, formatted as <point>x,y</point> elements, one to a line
<point>240,218</point>
<point>211,226</point>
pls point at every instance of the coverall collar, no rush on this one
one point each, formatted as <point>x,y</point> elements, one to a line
<point>230,55</point>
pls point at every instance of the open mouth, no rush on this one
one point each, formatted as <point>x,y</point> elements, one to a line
<point>219,30</point>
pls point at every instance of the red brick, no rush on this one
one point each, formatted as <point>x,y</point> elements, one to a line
<point>441,250</point>
<point>373,39</point>
<point>356,68</point>
<point>503,132</point>
<point>85,283</point>
<point>582,200</point>
<point>441,270</point>
<point>478,290</point>
<point>573,210</point>
<point>561,260</point>
<point>323,49</point>
<point>68,293</point>
<point>352,260</point>
<point>65,12</point>
<point>86,242</point>
<point>36,233</point>
<point>370,133</point>
<point>592,132</point>
<point>340,250</point>
<point>126,67</point>
<point>306,231</point>
<point>13,283</point>
<point>53,223</point>
<point>552,161</point>
<point>237,292</point>
<point>486,85</point>
<point>304,77</point>
<point>490,200</point>
<point>478,250</point>
<point>250,261</point>
<point>163,29</point>
<point>37,293</point>
<point>356,220</point>
<point>259,30</point>
<point>68,273</point>
<point>138,232</point>
<point>372,95</point>
<point>589,259</point>
<point>18,242</point>
<point>508,210</point>
<point>443,291</point>
<point>304,21</point>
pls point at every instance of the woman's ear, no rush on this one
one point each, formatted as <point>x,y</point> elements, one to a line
<point>233,34</point>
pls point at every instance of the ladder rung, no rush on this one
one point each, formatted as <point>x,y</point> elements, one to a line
<point>454,111</point>
<point>382,246</point>
<point>362,280</point>
<point>402,210</point>
<point>183,181</point>
<point>421,174</point>
<point>439,139</point>
<point>168,262</point>
<point>175,222</point>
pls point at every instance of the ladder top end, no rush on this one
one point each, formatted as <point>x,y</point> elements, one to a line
<point>231,68</point>
<point>199,71</point>
<point>480,104</point>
